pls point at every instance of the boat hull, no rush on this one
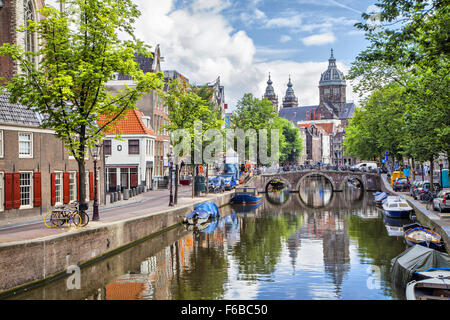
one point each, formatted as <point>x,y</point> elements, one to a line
<point>412,238</point>
<point>400,214</point>
<point>245,199</point>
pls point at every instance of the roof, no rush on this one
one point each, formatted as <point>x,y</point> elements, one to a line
<point>348,111</point>
<point>327,127</point>
<point>18,114</point>
<point>297,114</point>
<point>131,124</point>
<point>145,64</point>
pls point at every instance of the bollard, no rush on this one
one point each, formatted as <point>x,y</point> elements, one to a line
<point>111,198</point>
<point>116,196</point>
<point>126,194</point>
<point>119,196</point>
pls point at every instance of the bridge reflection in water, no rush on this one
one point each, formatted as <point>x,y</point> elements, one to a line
<point>307,245</point>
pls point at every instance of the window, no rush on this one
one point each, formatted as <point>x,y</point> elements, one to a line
<point>1,144</point>
<point>73,186</point>
<point>30,43</point>
<point>25,145</point>
<point>107,147</point>
<point>2,195</point>
<point>133,146</point>
<point>58,188</point>
<point>86,182</point>
<point>336,90</point>
<point>26,190</point>
<point>149,148</point>
<point>327,91</point>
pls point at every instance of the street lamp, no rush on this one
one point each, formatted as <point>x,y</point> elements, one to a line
<point>95,152</point>
<point>171,204</point>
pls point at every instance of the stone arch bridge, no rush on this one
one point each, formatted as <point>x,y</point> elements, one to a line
<point>338,179</point>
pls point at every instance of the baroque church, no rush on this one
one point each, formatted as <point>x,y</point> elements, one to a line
<point>322,126</point>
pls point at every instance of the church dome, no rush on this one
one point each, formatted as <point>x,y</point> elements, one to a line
<point>332,76</point>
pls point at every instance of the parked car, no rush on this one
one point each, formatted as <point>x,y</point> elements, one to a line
<point>365,166</point>
<point>423,188</point>
<point>229,182</point>
<point>442,201</point>
<point>413,187</point>
<point>400,184</point>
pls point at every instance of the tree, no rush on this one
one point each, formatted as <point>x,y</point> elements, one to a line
<point>187,108</point>
<point>80,50</point>
<point>258,114</point>
<point>293,147</point>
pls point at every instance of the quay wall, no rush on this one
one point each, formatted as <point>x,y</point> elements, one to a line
<point>424,216</point>
<point>28,264</point>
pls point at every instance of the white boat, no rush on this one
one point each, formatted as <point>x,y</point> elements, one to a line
<point>397,207</point>
<point>429,289</point>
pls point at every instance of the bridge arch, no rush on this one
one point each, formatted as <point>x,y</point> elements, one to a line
<point>360,179</point>
<point>277,177</point>
<point>315,174</point>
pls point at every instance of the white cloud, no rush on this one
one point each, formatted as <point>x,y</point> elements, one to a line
<point>285,22</point>
<point>319,39</point>
<point>285,38</point>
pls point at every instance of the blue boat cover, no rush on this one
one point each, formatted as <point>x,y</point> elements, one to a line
<point>212,226</point>
<point>377,193</point>
<point>209,207</point>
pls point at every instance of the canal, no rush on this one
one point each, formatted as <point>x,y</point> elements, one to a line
<point>314,244</point>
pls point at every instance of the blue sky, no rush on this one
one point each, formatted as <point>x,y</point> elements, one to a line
<point>243,40</point>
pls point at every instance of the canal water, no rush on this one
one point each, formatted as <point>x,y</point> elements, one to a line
<point>314,244</point>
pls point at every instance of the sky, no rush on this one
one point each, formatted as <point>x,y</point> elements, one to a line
<point>243,40</point>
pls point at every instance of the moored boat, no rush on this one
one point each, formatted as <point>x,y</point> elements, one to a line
<point>397,207</point>
<point>202,213</point>
<point>246,195</point>
<point>429,289</point>
<point>380,198</point>
<point>417,234</point>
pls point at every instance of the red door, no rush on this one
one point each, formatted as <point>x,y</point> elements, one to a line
<point>16,190</point>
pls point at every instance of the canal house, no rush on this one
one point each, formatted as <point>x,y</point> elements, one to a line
<point>129,149</point>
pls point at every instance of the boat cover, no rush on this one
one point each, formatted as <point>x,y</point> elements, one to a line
<point>210,207</point>
<point>416,258</point>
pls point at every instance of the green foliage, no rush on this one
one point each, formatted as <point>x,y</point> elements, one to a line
<point>293,141</point>
<point>80,51</point>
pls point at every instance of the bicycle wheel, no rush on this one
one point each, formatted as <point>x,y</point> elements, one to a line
<point>85,218</point>
<point>76,219</point>
<point>52,220</point>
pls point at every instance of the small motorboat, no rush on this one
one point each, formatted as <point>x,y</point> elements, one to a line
<point>379,199</point>
<point>202,213</point>
<point>416,233</point>
<point>246,208</point>
<point>277,184</point>
<point>397,207</point>
<point>246,195</point>
<point>429,289</point>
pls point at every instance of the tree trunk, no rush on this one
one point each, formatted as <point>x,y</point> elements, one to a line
<point>413,169</point>
<point>82,184</point>
<point>176,183</point>
<point>207,181</point>
<point>193,180</point>
<point>431,174</point>
<point>423,169</point>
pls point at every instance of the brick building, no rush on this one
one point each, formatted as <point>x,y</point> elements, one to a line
<point>36,171</point>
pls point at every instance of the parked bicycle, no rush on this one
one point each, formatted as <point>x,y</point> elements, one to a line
<point>427,198</point>
<point>62,215</point>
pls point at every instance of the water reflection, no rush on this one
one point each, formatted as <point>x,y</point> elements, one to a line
<point>316,191</point>
<point>285,251</point>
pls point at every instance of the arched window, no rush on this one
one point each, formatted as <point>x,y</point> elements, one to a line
<point>29,14</point>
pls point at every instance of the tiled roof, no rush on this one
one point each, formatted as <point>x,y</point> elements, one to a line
<point>328,127</point>
<point>348,111</point>
<point>16,113</point>
<point>130,124</point>
<point>297,113</point>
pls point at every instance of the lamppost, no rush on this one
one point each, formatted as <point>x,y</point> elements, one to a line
<point>171,204</point>
<point>95,152</point>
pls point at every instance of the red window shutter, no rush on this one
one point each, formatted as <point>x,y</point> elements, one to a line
<point>53,188</point>
<point>91,185</point>
<point>8,191</point>
<point>66,188</point>
<point>16,190</point>
<point>37,189</point>
<point>78,186</point>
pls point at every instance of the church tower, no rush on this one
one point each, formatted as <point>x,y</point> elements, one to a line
<point>290,100</point>
<point>332,87</point>
<point>13,14</point>
<point>270,94</point>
